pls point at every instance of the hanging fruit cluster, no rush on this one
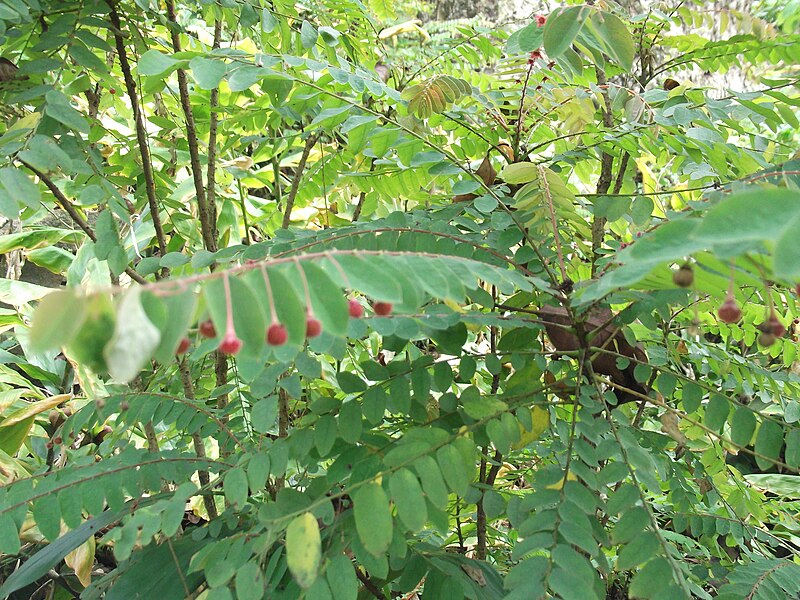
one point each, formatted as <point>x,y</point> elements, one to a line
<point>729,311</point>
<point>277,334</point>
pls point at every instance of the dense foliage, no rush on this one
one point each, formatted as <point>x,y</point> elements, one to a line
<point>357,306</point>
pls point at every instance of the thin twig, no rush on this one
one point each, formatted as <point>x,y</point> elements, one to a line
<point>141,132</point>
<point>298,175</point>
<point>206,225</point>
<point>363,195</point>
<point>371,587</point>
<point>76,216</point>
<point>606,166</point>
<point>199,447</point>
<point>549,197</point>
<point>211,173</point>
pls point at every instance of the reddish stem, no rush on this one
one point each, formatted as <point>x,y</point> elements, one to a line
<point>272,311</point>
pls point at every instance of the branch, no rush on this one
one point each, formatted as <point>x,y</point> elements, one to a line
<point>287,215</point>
<point>373,589</point>
<point>362,196</point>
<point>206,224</point>
<point>211,173</point>
<point>76,216</point>
<point>606,166</point>
<point>199,447</point>
<point>141,132</point>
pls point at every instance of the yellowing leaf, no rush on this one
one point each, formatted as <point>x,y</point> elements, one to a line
<point>81,560</point>
<point>560,483</point>
<point>303,549</point>
<point>412,26</point>
<point>541,421</point>
<point>521,172</point>
<point>33,409</point>
<point>435,95</point>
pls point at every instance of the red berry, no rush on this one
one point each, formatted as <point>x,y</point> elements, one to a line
<point>207,329</point>
<point>382,309</point>
<point>277,335</point>
<point>313,327</point>
<point>112,91</point>
<point>58,440</point>
<point>729,312</point>
<point>183,346</point>
<point>230,344</point>
<point>355,308</point>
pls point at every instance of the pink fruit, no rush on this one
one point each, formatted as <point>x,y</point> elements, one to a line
<point>277,334</point>
<point>355,308</point>
<point>230,344</point>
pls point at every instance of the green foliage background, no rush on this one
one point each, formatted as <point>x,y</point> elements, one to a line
<point>250,162</point>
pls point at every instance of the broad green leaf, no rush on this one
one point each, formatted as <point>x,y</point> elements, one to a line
<point>47,514</point>
<point>303,549</point>
<point>9,535</point>
<point>235,487</point>
<point>531,37</point>
<point>207,72</point>
<point>561,28</point>
<point>769,442</point>
<point>750,216</point>
<point>107,235</point>
<point>342,579</point>
<point>631,524</point>
<point>350,422</point>
<point>258,471</point>
<point>18,293</point>
<point>640,549</point>
<point>743,424</point>
<point>134,341</point>
<point>250,581</point>
<point>154,62</point>
<point>57,318</point>
<point>716,412</point>
<point>453,469</point>
<point>478,406</point>
<point>792,455</point>
<point>780,485</point>
<point>652,579</point>
<point>373,518</point>
<point>59,108</point>
<point>13,435</point>
<point>16,189</point>
<point>787,252</point>
<point>576,577</point>
<point>350,383</point>
<point>408,499</point>
<point>308,34</point>
<point>615,37</point>
<point>325,434</point>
